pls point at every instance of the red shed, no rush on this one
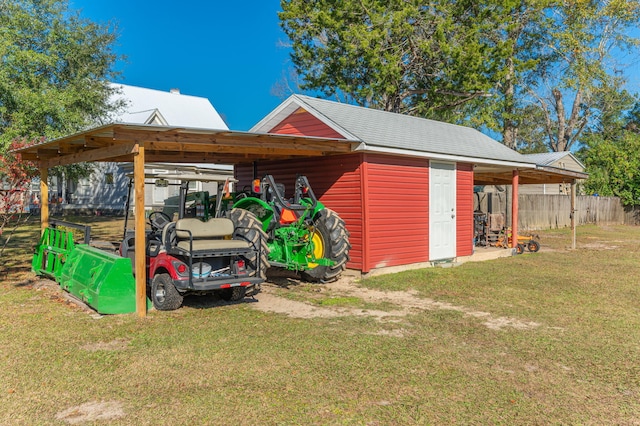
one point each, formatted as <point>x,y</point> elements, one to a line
<point>405,193</point>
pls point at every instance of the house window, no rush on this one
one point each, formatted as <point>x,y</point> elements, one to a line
<point>565,188</point>
<point>71,191</point>
<point>108,178</point>
<point>72,186</point>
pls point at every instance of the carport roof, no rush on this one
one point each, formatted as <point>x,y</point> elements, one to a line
<point>118,142</point>
<point>539,174</point>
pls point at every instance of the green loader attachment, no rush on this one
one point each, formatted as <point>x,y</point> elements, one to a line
<point>101,279</point>
<point>55,245</point>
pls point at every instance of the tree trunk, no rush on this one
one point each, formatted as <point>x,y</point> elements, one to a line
<point>509,126</point>
<point>567,131</point>
<point>510,123</point>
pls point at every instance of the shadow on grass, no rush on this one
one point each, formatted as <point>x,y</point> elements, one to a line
<point>208,301</point>
<point>17,276</point>
<point>28,282</point>
<point>283,278</point>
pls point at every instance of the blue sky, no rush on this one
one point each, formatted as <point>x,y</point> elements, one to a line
<point>227,51</point>
<point>230,52</point>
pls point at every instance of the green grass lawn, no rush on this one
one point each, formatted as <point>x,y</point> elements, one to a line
<point>237,365</point>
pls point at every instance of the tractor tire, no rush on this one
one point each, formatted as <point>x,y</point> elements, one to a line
<point>331,241</point>
<point>520,249</point>
<point>164,295</point>
<point>233,294</point>
<point>533,246</point>
<point>249,228</point>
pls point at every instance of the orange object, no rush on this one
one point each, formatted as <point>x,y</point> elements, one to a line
<point>226,191</point>
<point>257,186</point>
<point>287,216</point>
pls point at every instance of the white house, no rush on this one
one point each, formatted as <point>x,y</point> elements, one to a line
<point>148,106</point>
<point>563,160</point>
<point>105,191</point>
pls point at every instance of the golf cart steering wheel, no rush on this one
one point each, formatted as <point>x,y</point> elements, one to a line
<point>158,220</point>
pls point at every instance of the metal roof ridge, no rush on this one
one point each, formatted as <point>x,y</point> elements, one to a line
<point>333,108</point>
<point>381,111</point>
<point>399,115</point>
<point>163,92</point>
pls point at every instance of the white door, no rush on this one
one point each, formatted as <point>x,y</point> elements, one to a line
<point>442,211</point>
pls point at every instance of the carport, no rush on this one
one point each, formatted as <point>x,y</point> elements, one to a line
<point>145,143</point>
<point>534,175</point>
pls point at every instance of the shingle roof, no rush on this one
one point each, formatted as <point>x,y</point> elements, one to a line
<point>397,131</point>
<point>548,158</point>
<point>175,108</point>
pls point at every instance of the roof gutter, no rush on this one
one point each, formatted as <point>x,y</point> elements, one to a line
<point>445,157</point>
<point>565,172</point>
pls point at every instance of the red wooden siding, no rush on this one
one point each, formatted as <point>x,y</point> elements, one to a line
<point>383,199</point>
<point>464,207</point>
<point>335,180</point>
<point>397,200</point>
<point>393,229</point>
<point>301,123</point>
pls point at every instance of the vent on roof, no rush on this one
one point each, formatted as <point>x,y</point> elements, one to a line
<point>175,91</point>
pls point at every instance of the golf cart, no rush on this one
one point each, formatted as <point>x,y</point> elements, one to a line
<point>200,253</point>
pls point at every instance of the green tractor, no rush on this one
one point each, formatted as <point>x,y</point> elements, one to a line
<point>303,235</point>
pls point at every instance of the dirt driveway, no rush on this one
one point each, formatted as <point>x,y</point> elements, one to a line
<point>274,298</point>
<point>284,293</point>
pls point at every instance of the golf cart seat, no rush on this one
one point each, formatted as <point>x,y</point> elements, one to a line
<point>195,235</point>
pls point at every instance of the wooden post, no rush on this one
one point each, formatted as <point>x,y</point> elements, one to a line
<point>514,208</point>
<point>44,199</point>
<point>140,269</point>
<point>573,215</point>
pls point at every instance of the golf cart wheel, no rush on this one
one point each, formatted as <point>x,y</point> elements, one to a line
<point>533,246</point>
<point>164,295</point>
<point>233,294</point>
<point>520,249</point>
<point>330,240</point>
<point>247,227</point>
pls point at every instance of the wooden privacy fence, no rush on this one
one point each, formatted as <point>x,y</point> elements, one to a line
<point>553,211</point>
<point>632,216</point>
